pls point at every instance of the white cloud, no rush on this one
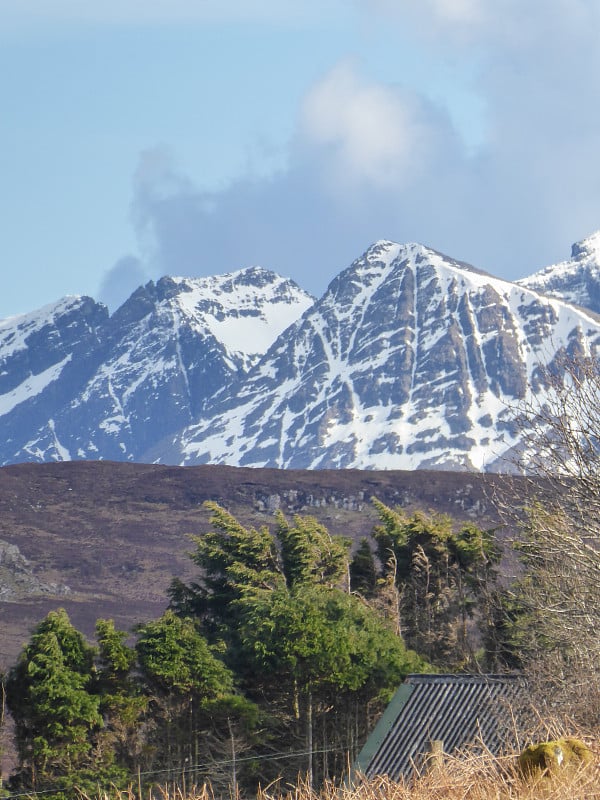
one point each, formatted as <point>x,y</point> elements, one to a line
<point>367,159</point>
<point>394,168</point>
<point>464,11</point>
<point>447,21</point>
<point>455,12</point>
<point>368,132</point>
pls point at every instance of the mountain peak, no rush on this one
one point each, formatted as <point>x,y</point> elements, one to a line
<point>253,276</point>
<point>410,360</point>
<point>577,280</point>
<point>587,248</point>
<point>392,250</point>
<point>76,383</point>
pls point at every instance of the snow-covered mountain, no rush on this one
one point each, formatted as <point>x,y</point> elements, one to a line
<point>45,357</point>
<point>576,280</point>
<point>116,385</point>
<point>410,360</point>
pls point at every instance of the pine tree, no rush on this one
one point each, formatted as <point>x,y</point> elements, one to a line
<point>298,641</point>
<point>444,577</point>
<point>56,716</point>
<point>187,686</point>
<point>363,571</point>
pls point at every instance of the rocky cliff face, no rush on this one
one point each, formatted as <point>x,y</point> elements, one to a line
<point>45,359</point>
<point>410,360</point>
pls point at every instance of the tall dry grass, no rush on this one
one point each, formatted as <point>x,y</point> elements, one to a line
<point>481,778</point>
<point>464,777</point>
<point>471,778</point>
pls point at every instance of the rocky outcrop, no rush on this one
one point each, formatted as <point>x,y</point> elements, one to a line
<point>17,579</point>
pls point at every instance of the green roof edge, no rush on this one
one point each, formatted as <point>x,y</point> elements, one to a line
<point>387,719</point>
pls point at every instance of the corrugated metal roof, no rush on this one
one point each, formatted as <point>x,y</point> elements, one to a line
<point>459,710</point>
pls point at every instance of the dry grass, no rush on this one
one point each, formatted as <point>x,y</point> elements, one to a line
<point>482,779</point>
<point>472,778</point>
<point>468,777</point>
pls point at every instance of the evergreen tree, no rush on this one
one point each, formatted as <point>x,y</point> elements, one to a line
<point>188,688</point>
<point>363,571</point>
<point>122,704</point>
<point>443,577</point>
<point>228,555</point>
<point>309,554</point>
<point>56,716</point>
<point>115,659</point>
<point>311,653</point>
<point>322,656</point>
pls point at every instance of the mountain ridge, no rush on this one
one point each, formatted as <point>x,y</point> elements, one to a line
<point>149,369</point>
<point>411,359</point>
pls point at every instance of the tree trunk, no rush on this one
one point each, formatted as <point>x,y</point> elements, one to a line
<point>234,784</point>
<point>309,737</point>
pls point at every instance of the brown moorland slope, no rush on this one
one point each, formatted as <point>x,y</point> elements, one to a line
<point>104,539</point>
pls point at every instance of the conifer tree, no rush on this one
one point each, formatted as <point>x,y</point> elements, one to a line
<point>312,653</point>
<point>187,685</point>
<point>363,571</point>
<point>310,554</point>
<point>56,715</point>
<point>443,576</point>
<point>228,555</point>
<point>122,703</point>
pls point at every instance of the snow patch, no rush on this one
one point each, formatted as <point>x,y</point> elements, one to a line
<point>31,387</point>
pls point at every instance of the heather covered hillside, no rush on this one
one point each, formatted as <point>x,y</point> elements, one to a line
<point>277,657</point>
<point>105,539</point>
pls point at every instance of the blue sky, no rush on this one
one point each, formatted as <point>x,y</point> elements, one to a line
<point>193,137</point>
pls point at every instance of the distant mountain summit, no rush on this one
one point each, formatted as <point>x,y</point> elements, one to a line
<point>576,280</point>
<point>411,359</point>
<point>86,385</point>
